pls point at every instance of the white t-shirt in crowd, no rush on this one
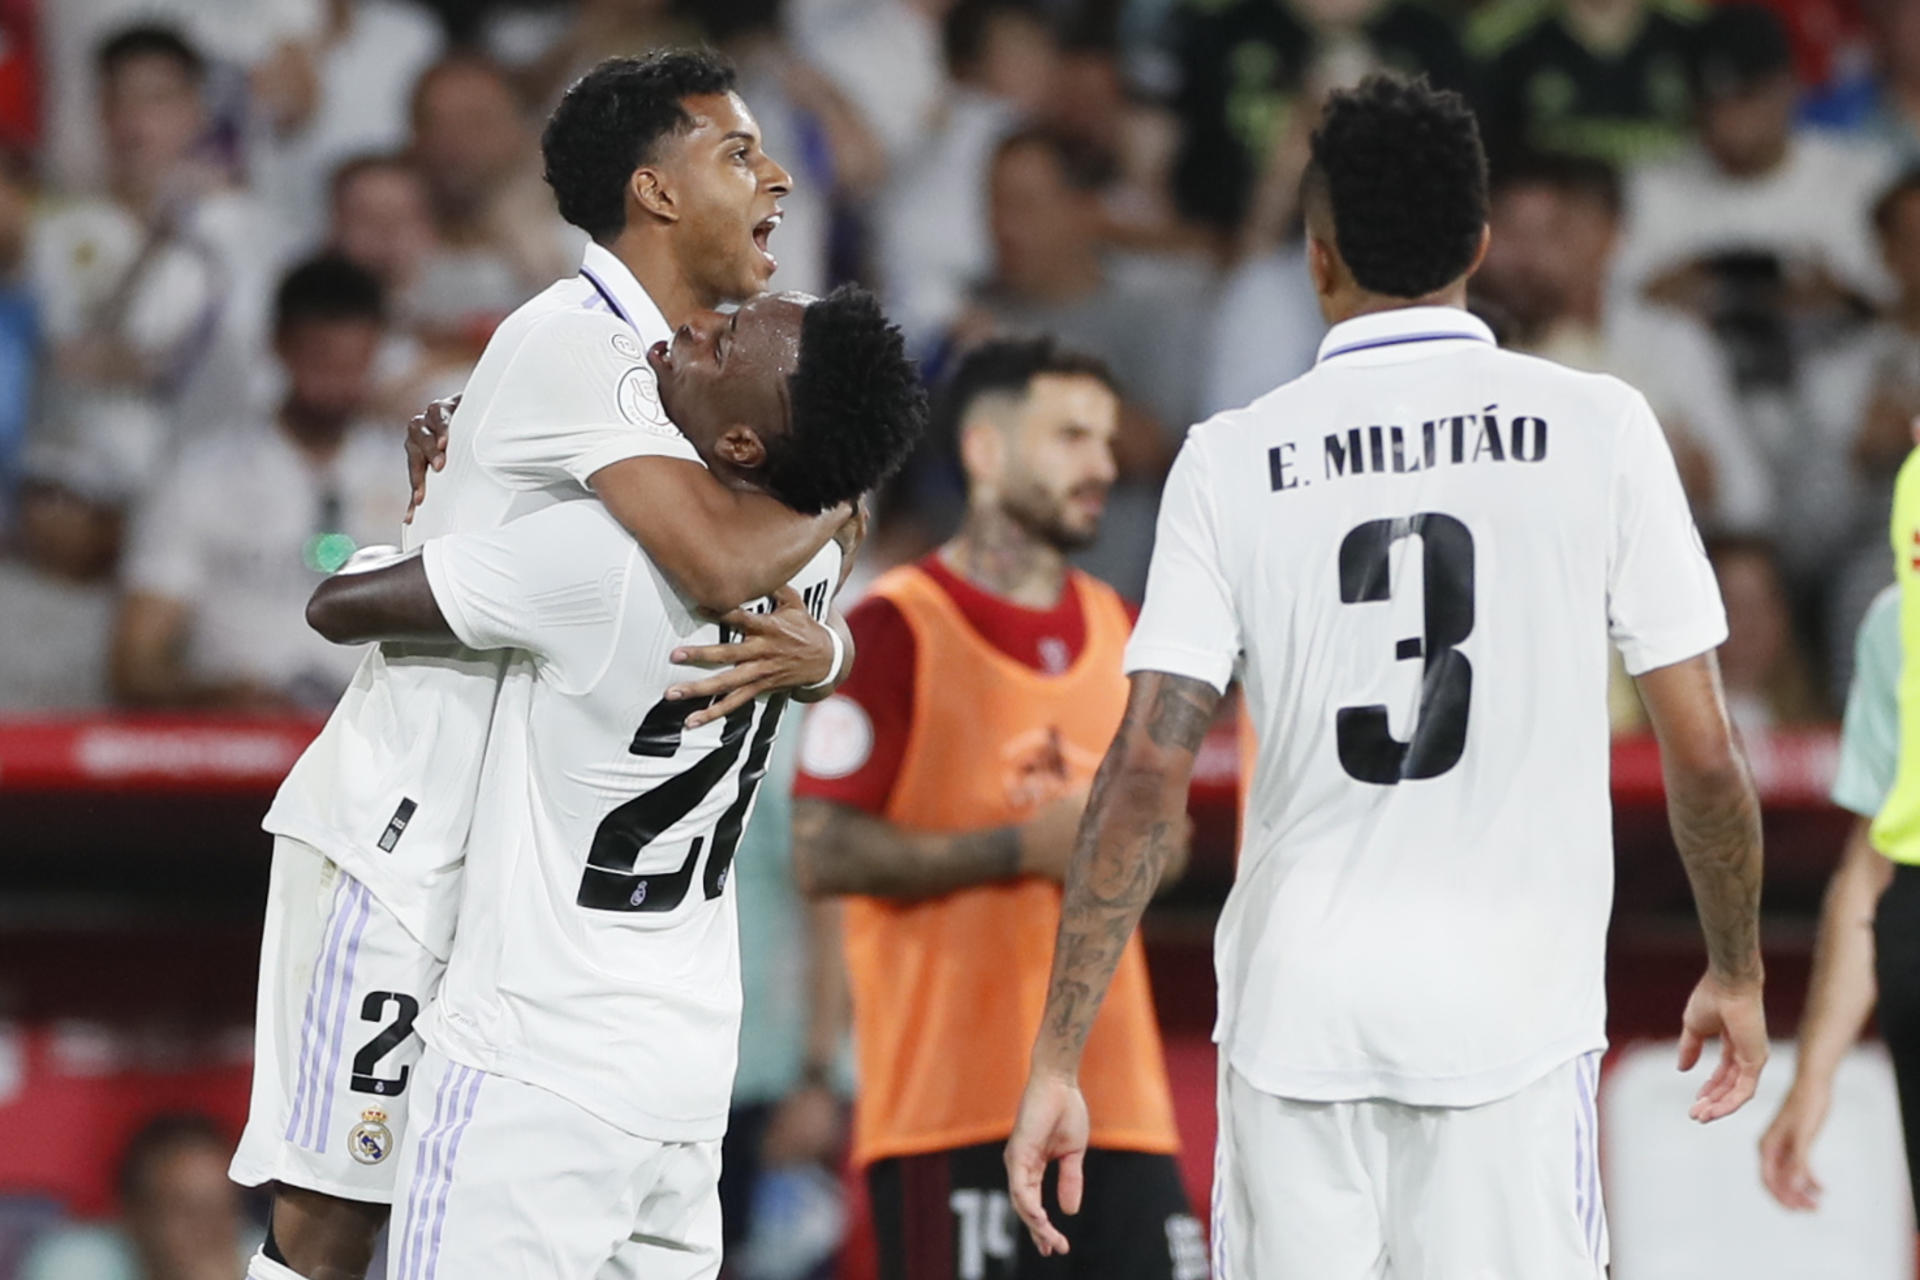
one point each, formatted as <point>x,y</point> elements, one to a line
<point>562,390</point>
<point>598,951</point>
<point>1413,556</point>
<point>1815,207</point>
<point>232,531</point>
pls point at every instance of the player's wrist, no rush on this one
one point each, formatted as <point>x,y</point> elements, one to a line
<point>833,668</point>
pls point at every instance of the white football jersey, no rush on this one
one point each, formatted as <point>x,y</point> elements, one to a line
<point>562,390</point>
<point>1414,556</point>
<point>597,954</point>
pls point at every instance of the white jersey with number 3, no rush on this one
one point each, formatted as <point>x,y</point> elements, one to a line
<point>1414,556</point>
<point>597,953</point>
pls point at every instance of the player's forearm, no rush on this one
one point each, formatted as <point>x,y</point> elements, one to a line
<point>827,997</point>
<point>1842,990</point>
<point>825,691</point>
<point>722,547</point>
<point>1715,817</point>
<point>1135,827</point>
<point>840,850</point>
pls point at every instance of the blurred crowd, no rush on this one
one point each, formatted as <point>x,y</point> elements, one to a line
<point>241,241</point>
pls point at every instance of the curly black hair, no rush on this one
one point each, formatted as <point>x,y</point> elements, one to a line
<point>1008,366</point>
<point>328,288</point>
<point>609,122</point>
<point>1401,169</point>
<point>857,405</point>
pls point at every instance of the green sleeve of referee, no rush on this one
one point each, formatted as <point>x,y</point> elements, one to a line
<point>1896,828</point>
<point>1870,737</point>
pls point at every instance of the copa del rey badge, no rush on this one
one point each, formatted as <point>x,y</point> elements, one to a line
<point>370,1141</point>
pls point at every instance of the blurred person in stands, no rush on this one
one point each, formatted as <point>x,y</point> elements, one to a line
<point>229,545</point>
<point>1556,223</point>
<point>343,93</point>
<point>950,861</point>
<point>180,1217</point>
<point>381,219</point>
<point>598,29</point>
<point>19,319</point>
<point>1605,78</point>
<point>1843,988</point>
<point>1239,75</point>
<point>150,295</point>
<point>931,229</point>
<point>1882,107</point>
<point>1760,664</point>
<point>57,578</point>
<point>885,55</point>
<point>501,238</point>
<point>1052,274</point>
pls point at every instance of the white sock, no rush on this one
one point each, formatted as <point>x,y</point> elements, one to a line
<point>261,1267</point>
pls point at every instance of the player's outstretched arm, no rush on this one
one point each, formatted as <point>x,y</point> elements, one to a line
<point>1715,817</point>
<point>839,850</point>
<point>1840,998</point>
<point>1135,823</point>
<point>394,602</point>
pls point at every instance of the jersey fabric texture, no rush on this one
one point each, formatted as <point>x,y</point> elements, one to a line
<point>962,978</point>
<point>598,950</point>
<point>1870,732</point>
<point>1413,556</point>
<point>562,390</point>
<point>1896,831</point>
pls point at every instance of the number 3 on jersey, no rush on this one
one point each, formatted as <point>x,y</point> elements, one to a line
<point>1368,750</point>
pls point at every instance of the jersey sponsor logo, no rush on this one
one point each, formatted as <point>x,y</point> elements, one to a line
<point>838,739</point>
<point>1054,655</point>
<point>370,1141</point>
<point>639,400</point>
<point>1395,450</point>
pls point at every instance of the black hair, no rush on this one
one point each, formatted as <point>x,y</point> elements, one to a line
<point>963,37</point>
<point>1888,202</point>
<point>610,122</point>
<point>1008,366</point>
<point>1404,177</point>
<point>145,40</point>
<point>1082,167</point>
<point>857,405</point>
<point>328,288</point>
<point>724,20</point>
<point>1582,177</point>
<point>351,169</point>
<point>156,1138</point>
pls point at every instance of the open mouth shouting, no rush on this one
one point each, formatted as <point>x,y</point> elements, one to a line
<point>763,232</point>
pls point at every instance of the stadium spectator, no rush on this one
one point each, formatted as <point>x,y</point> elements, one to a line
<point>1266,328</point>
<point>1556,225</point>
<point>19,318</point>
<point>1604,78</point>
<point>1883,106</point>
<point>181,1218</point>
<point>353,79</point>
<point>150,295</point>
<point>932,241</point>
<point>502,239</point>
<point>599,29</point>
<point>885,55</point>
<point>21,88</point>
<point>231,543</point>
<point>1144,317</point>
<point>1236,72</point>
<point>1765,675</point>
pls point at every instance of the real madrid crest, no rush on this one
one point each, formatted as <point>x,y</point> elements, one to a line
<point>370,1141</point>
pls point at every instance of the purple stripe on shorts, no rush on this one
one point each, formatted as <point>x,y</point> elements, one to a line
<point>343,1010</point>
<point>446,1183</point>
<point>1589,1101</point>
<point>1581,1193</point>
<point>1219,1207</point>
<point>421,1175</point>
<point>310,1024</point>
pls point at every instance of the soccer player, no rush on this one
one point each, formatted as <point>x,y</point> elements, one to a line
<point>659,162</point>
<point>1412,556</point>
<point>1841,994</point>
<point>581,1050</point>
<point>939,791</point>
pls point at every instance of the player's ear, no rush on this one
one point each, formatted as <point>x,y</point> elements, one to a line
<point>983,450</point>
<point>647,187</point>
<point>743,447</point>
<point>1320,266</point>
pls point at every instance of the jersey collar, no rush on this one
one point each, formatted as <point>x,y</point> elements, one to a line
<point>1403,327</point>
<point>611,279</point>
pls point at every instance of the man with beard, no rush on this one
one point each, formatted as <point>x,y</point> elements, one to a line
<point>939,793</point>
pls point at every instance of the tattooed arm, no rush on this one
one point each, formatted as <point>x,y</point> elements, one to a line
<point>1135,825</point>
<point>1716,826</point>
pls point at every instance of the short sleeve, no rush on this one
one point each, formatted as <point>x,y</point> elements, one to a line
<point>1663,603</point>
<point>1870,735</point>
<point>551,583</point>
<point>579,396</point>
<point>1188,624</point>
<point>852,744</point>
<point>167,549</point>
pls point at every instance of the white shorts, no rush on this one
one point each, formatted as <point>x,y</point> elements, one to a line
<point>502,1180</point>
<point>335,1051</point>
<point>1384,1191</point>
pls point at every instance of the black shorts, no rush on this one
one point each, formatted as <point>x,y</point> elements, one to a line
<point>1896,954</point>
<point>946,1216</point>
